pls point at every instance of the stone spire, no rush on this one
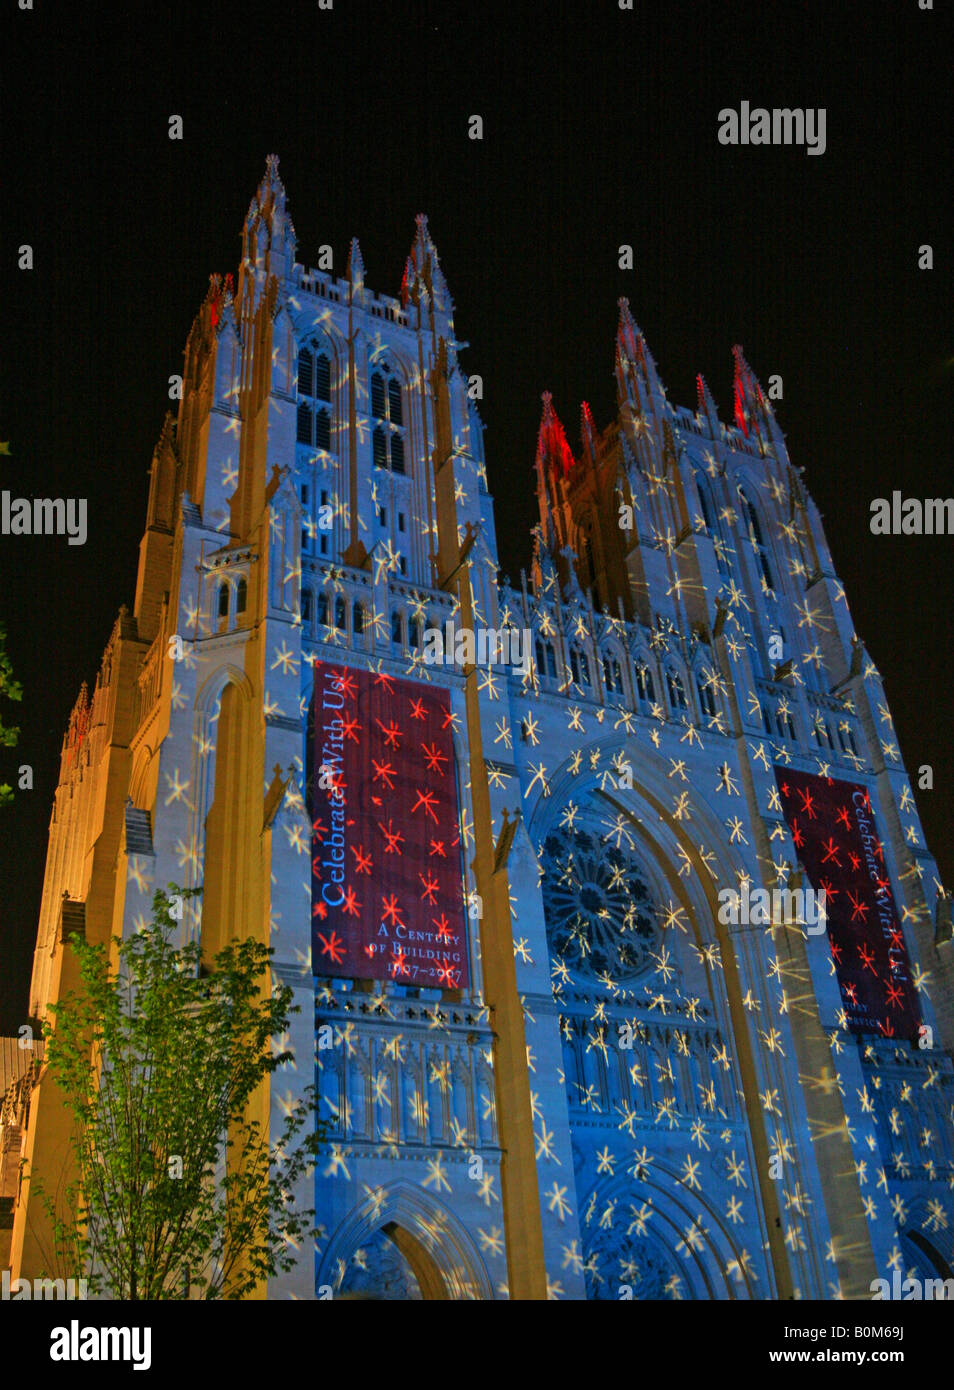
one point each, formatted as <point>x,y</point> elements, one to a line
<point>706,404</point>
<point>355,272</point>
<point>636,375</point>
<point>588,433</point>
<point>422,271</point>
<point>268,235</point>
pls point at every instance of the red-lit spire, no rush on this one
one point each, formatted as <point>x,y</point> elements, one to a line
<point>220,292</point>
<point>707,405</point>
<point>552,446</point>
<point>747,393</point>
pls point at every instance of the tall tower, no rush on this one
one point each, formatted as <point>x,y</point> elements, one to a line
<point>758,1107</point>
<point>552,1059</point>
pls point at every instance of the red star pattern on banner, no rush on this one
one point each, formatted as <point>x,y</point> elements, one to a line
<point>387,884</point>
<point>834,833</point>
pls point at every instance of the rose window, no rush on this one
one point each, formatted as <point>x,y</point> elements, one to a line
<point>599,911</point>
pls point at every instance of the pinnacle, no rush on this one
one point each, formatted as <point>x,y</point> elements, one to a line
<point>355,263</point>
<point>551,441</point>
<point>704,396</point>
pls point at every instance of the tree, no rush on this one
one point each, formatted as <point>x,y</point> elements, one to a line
<point>10,690</point>
<point>178,1191</point>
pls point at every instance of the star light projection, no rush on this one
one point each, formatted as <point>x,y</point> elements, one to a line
<point>608,948</point>
<point>620,949</point>
<point>614,1231</point>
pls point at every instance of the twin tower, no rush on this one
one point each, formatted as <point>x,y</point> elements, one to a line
<point>547,1066</point>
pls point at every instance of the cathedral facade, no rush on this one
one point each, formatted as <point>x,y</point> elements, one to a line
<point>563,1048</point>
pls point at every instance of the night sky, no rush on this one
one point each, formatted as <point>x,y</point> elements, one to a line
<point>600,128</point>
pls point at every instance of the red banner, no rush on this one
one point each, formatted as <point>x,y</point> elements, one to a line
<point>387,886</point>
<point>833,828</point>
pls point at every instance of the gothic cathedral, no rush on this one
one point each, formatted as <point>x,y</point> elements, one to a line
<point>531,856</point>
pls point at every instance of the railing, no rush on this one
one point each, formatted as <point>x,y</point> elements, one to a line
<point>689,421</point>
<point>315,282</point>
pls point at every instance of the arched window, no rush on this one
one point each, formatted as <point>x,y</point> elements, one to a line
<point>323,609</point>
<point>784,722</point>
<point>706,698</point>
<point>306,379</point>
<point>323,430</point>
<point>223,601</point>
<point>241,597</point>
<point>677,691</point>
<point>397,629</point>
<point>341,618</point>
<point>645,688</point>
<point>546,659</point>
<point>575,665</point>
<point>387,409</point>
<point>322,378</point>
<point>314,384</point>
<point>612,676</point>
<point>711,524</point>
<point>306,606</point>
<point>379,448</point>
<point>414,634</point>
<point>752,518</point>
<point>757,539</point>
<point>846,738</point>
<point>397,453</point>
<point>378,398</point>
<point>822,731</point>
<point>357,619</point>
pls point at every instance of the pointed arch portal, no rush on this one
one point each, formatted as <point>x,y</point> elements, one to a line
<point>402,1244</point>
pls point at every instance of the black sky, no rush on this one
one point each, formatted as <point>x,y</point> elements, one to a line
<point>599,129</point>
